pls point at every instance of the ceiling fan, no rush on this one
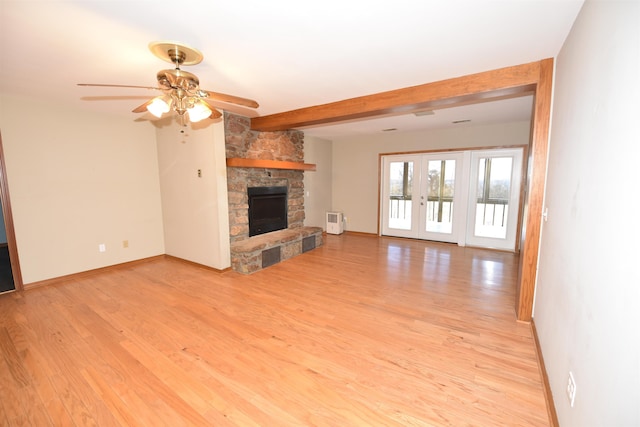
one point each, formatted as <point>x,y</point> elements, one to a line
<point>181,89</point>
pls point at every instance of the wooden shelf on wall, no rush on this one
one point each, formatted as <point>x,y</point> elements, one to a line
<point>236,162</point>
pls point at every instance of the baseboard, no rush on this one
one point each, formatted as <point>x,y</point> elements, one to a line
<point>87,273</point>
<point>82,274</point>
<point>361,233</point>
<point>551,407</point>
<point>196,264</point>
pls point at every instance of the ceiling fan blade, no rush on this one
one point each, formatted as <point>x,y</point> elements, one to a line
<point>214,111</point>
<point>127,86</point>
<point>142,108</point>
<point>215,114</point>
<point>231,99</point>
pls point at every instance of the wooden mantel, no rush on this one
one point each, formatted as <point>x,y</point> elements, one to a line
<point>236,162</point>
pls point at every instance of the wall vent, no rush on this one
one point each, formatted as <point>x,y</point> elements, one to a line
<point>270,256</point>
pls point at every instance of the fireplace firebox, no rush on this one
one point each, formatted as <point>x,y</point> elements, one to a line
<point>267,209</point>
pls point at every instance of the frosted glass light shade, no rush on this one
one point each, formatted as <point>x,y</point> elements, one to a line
<point>158,107</point>
<point>199,112</point>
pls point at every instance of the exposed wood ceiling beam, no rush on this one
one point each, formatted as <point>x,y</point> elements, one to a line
<point>503,83</point>
<point>533,78</point>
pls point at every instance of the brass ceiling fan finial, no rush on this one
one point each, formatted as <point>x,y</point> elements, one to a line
<point>177,56</point>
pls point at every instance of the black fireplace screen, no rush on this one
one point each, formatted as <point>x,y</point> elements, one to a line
<point>267,209</point>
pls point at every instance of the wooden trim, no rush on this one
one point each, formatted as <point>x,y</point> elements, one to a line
<point>380,183</point>
<point>548,396</point>
<point>361,233</point>
<point>452,150</point>
<point>535,196</point>
<point>523,193</point>
<point>83,274</point>
<point>481,87</point>
<point>8,223</point>
<point>196,264</point>
<point>236,162</point>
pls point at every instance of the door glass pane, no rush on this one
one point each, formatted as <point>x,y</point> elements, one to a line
<point>493,192</point>
<point>400,182</point>
<point>440,189</point>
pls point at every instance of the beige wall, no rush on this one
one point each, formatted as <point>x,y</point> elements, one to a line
<point>195,209</point>
<point>77,180</point>
<point>317,184</point>
<point>588,289</point>
<point>355,186</point>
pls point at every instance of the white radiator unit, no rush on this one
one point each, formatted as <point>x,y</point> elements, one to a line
<point>335,223</point>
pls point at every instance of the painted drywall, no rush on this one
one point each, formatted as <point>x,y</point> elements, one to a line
<point>77,180</point>
<point>194,208</point>
<point>355,161</point>
<point>586,307</point>
<point>317,184</point>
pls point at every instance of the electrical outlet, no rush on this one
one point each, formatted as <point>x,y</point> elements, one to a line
<point>571,389</point>
<point>125,243</point>
<point>102,247</point>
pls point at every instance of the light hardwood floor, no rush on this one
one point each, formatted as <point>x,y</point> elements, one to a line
<point>363,331</point>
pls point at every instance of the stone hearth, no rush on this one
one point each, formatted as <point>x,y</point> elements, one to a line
<point>258,252</point>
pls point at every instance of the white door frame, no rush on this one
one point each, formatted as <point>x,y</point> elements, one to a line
<point>509,241</point>
<point>464,196</point>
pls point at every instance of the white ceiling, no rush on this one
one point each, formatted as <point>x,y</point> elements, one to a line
<point>286,54</point>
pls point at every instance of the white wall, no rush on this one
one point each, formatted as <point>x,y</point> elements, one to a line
<point>588,290</point>
<point>355,162</point>
<point>317,184</point>
<point>78,179</point>
<point>195,208</point>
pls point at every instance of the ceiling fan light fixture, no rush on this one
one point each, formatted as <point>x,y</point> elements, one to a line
<point>158,106</point>
<point>181,89</point>
<point>199,112</point>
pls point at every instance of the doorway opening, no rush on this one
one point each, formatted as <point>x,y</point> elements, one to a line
<point>470,197</point>
<point>9,264</point>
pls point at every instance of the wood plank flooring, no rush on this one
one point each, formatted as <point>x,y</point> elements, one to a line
<point>362,331</point>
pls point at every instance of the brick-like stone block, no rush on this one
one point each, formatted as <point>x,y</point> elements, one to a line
<point>239,230</point>
<point>236,198</point>
<point>291,249</point>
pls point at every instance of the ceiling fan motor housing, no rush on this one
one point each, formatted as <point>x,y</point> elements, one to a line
<point>178,79</point>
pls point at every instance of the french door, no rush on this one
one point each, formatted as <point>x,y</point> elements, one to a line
<point>494,198</point>
<point>469,197</point>
<point>421,196</point>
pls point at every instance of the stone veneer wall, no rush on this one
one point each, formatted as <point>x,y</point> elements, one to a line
<point>242,142</point>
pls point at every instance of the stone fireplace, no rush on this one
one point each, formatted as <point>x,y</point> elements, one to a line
<point>283,147</point>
